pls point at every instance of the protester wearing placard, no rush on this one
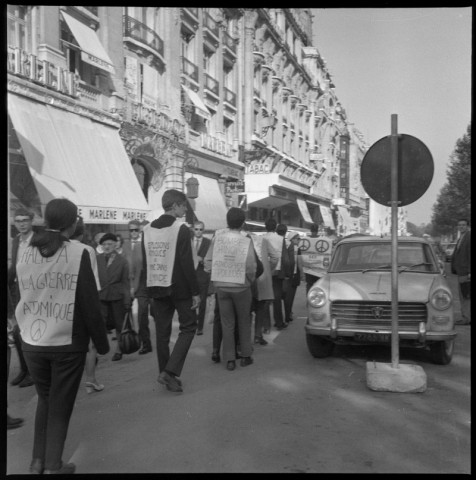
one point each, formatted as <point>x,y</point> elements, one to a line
<point>115,293</point>
<point>291,283</point>
<point>232,263</point>
<point>200,247</point>
<point>59,313</point>
<point>24,224</point>
<point>172,284</point>
<point>133,254</point>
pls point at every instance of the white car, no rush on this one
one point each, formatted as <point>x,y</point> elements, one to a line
<point>351,304</point>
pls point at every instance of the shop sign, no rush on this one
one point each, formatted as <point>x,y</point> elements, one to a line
<point>258,168</point>
<point>110,215</point>
<point>234,187</point>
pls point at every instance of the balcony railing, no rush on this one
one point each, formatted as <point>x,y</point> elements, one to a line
<point>210,24</point>
<point>229,42</point>
<point>230,97</point>
<point>189,69</point>
<point>24,64</point>
<point>143,34</point>
<point>211,84</point>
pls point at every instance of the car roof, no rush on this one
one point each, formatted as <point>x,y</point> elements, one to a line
<point>376,238</point>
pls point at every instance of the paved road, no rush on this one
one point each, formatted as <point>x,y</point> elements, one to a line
<point>286,413</point>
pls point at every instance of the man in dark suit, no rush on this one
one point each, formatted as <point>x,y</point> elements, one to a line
<point>200,249</point>
<point>172,284</point>
<point>461,266</point>
<point>133,253</point>
<point>115,295</point>
<point>24,224</point>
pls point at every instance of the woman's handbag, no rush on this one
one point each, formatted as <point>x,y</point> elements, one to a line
<point>129,340</point>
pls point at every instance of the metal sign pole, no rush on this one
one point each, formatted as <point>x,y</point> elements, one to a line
<point>394,204</point>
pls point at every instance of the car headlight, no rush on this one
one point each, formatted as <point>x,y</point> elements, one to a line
<point>441,299</point>
<point>316,297</point>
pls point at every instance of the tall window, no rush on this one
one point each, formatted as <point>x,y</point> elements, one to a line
<point>187,46</point>
<point>17,26</point>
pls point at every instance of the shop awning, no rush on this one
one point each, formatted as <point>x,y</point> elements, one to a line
<point>327,217</point>
<point>200,107</point>
<point>92,51</point>
<point>301,203</point>
<point>346,218</point>
<point>210,207</point>
<point>74,157</point>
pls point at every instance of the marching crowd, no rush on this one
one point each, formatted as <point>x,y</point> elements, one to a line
<point>64,297</point>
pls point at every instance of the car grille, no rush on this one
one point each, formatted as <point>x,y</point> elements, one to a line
<point>377,314</point>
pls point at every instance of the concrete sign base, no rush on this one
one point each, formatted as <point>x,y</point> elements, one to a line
<point>404,378</point>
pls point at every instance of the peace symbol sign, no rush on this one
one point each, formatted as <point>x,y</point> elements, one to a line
<point>304,244</point>
<point>322,246</point>
<point>37,329</point>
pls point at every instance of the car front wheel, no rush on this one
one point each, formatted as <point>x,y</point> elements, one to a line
<point>442,352</point>
<point>318,346</point>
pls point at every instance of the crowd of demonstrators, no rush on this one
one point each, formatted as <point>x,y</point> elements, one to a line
<point>461,266</point>
<point>55,341</point>
<point>172,284</point>
<point>200,248</point>
<point>115,293</point>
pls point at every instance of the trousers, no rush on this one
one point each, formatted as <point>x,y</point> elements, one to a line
<point>57,376</point>
<point>163,311</point>
<point>235,308</point>
<point>278,301</point>
<point>143,320</point>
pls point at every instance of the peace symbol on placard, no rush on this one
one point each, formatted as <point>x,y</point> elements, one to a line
<point>37,329</point>
<point>304,244</point>
<point>322,246</point>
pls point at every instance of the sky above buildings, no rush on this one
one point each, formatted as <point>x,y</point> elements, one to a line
<point>413,62</point>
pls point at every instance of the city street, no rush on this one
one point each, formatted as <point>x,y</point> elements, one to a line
<point>286,413</point>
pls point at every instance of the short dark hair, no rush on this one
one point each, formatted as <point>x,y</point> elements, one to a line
<point>23,212</point>
<point>270,224</point>
<point>314,228</point>
<point>281,229</point>
<point>235,217</point>
<point>463,220</point>
<point>108,236</point>
<point>173,196</point>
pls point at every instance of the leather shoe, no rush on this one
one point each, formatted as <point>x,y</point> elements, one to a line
<point>282,327</point>
<point>66,468</point>
<point>145,350</point>
<point>199,332</point>
<point>216,357</point>
<point>245,361</point>
<point>18,378</point>
<point>231,365</point>
<point>117,356</point>
<point>37,466</point>
<point>260,341</point>
<point>172,383</point>
<point>14,422</point>
<point>26,382</point>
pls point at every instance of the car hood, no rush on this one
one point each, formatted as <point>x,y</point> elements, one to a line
<point>377,286</point>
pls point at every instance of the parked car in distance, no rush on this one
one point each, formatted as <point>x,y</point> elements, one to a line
<point>449,249</point>
<point>352,303</point>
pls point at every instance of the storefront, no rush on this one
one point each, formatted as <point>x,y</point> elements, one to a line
<point>69,153</point>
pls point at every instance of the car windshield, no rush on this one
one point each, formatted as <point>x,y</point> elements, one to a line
<point>412,257</point>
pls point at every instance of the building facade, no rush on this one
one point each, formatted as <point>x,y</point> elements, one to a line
<point>110,106</point>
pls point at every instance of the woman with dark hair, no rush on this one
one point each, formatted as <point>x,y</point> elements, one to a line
<point>58,313</point>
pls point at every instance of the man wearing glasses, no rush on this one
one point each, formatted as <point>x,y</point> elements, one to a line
<point>24,224</point>
<point>133,253</point>
<point>200,248</point>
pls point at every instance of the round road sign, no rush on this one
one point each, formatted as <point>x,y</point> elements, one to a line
<point>415,170</point>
